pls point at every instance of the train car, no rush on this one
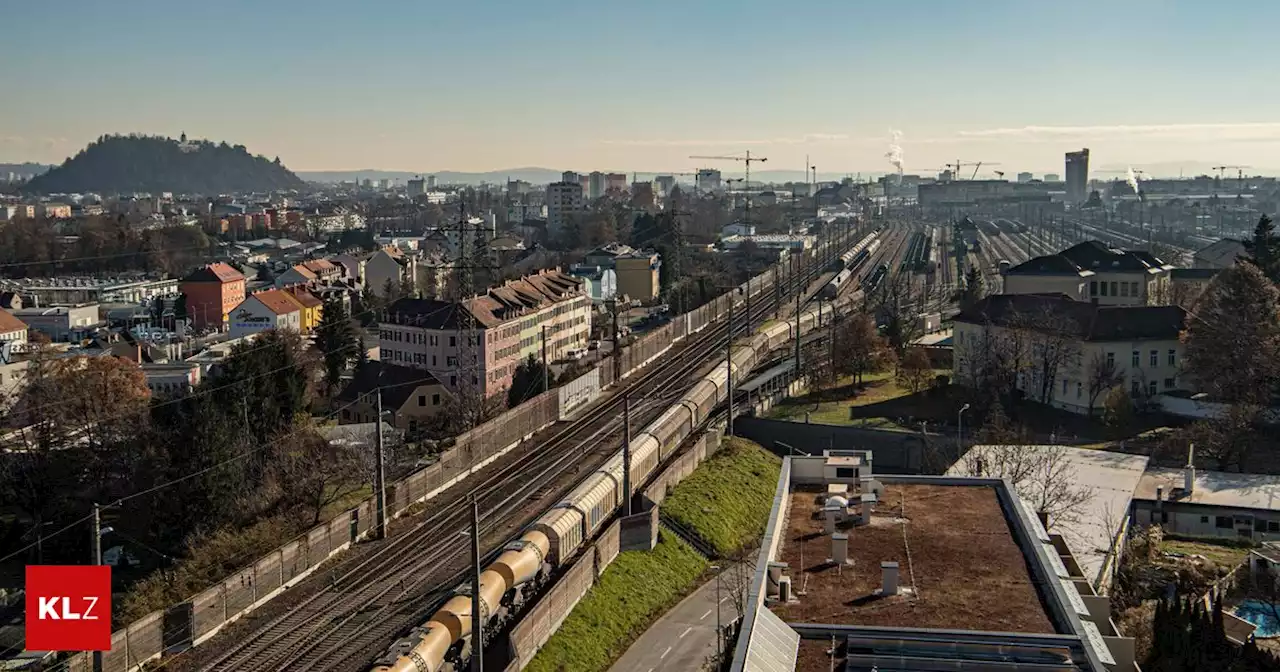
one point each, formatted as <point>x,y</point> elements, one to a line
<point>832,289</point>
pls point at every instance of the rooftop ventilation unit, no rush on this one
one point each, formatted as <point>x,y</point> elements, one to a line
<point>888,578</point>
<point>839,549</point>
<point>784,589</point>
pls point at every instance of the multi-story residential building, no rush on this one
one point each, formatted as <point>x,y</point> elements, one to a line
<point>272,309</point>
<point>349,266</point>
<point>296,275</point>
<point>509,323</point>
<point>13,331</point>
<point>388,264</point>
<point>638,273</point>
<point>212,293</point>
<point>312,308</point>
<point>615,182</point>
<point>1093,271</point>
<point>520,212</point>
<point>596,182</point>
<point>708,180</point>
<point>1067,353</point>
<point>415,187</point>
<point>55,210</point>
<point>62,324</point>
<point>664,184</point>
<point>564,202</point>
<point>1222,254</point>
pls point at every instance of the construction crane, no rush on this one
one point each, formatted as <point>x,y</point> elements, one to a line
<point>1239,171</point>
<point>959,165</point>
<point>747,161</point>
<point>999,173</point>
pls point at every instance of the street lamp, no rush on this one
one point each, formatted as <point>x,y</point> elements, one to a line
<point>960,427</point>
<point>719,648</point>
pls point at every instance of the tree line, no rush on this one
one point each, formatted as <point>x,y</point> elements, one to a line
<point>100,244</point>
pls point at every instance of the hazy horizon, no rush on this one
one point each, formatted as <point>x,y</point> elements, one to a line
<point>482,87</point>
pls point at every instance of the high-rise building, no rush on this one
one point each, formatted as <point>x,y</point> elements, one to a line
<point>1077,176</point>
<point>708,179</point>
<point>1052,177</point>
<point>595,185</point>
<point>614,181</point>
<point>1024,178</point>
<point>415,187</point>
<point>564,201</point>
<point>431,181</point>
<point>570,176</point>
<point>664,184</point>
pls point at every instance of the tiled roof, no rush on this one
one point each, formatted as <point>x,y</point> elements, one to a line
<point>307,299</point>
<point>501,304</point>
<point>319,266</point>
<point>1097,256</point>
<point>1053,264</point>
<point>1090,321</point>
<point>277,301</point>
<point>398,383</point>
<point>304,272</point>
<point>9,323</point>
<point>216,272</point>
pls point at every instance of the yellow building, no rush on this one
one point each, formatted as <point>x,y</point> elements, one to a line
<point>310,308</point>
<point>638,274</point>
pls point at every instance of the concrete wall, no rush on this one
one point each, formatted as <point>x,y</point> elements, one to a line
<point>895,452</point>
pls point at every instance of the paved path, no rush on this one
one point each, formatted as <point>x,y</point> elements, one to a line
<point>684,638</point>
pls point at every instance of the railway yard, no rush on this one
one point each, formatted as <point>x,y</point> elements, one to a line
<point>347,614</point>
<point>373,605</point>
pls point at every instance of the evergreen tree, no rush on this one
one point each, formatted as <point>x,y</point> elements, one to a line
<point>362,354</point>
<point>974,288</point>
<point>337,340</point>
<point>527,382</point>
<point>180,308</point>
<point>1263,251</point>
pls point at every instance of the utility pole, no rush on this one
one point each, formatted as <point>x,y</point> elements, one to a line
<point>380,476</point>
<point>617,353</point>
<point>728,359</point>
<point>477,617</point>
<point>97,560</point>
<point>626,451</point>
<point>546,363</point>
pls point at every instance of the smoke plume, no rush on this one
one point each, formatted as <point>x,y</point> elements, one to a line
<point>1132,178</point>
<point>895,151</point>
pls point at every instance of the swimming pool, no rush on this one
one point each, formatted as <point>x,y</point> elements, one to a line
<point>1260,614</point>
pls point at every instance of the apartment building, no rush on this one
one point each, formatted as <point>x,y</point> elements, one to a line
<point>638,274</point>
<point>564,202</point>
<point>1062,350</point>
<point>1093,271</point>
<point>410,395</point>
<point>212,292</point>
<point>272,309</point>
<point>508,324</point>
<point>388,265</point>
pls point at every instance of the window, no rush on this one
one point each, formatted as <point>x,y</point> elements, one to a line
<point>1222,522</point>
<point>453,361</point>
<point>435,400</point>
<point>1111,359</point>
<point>1064,388</point>
<point>1113,288</point>
<point>1124,289</point>
<point>1259,525</point>
<point>453,381</point>
<point>1168,383</point>
<point>1273,525</point>
<point>1173,357</point>
<point>1079,389</point>
<point>1133,289</point>
<point>845,472</point>
<point>1134,360</point>
<point>1204,519</point>
<point>422,400</point>
<point>1152,389</point>
<point>434,361</point>
<point>1093,288</point>
<point>1135,389</point>
<point>1155,358</point>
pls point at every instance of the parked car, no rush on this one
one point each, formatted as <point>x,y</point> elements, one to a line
<point>593,345</point>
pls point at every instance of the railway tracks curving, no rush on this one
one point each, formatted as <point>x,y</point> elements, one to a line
<point>367,603</point>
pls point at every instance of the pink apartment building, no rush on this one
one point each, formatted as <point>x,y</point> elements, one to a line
<point>508,319</point>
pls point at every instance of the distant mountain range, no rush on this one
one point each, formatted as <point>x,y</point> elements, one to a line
<point>536,175</point>
<point>22,169</point>
<point>134,163</point>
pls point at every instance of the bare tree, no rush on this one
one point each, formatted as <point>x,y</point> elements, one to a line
<point>859,348</point>
<point>1043,477</point>
<point>311,473</point>
<point>898,303</point>
<point>915,371</point>
<point>1102,375</point>
<point>1053,342</point>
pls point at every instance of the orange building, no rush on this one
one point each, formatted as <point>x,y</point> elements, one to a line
<point>212,291</point>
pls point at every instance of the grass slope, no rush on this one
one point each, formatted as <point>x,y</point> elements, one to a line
<point>635,589</point>
<point>726,501</point>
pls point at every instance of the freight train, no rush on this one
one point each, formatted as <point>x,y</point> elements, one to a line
<point>552,541</point>
<point>849,258</point>
<point>864,250</point>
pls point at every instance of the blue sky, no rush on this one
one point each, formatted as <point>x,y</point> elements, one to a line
<point>484,85</point>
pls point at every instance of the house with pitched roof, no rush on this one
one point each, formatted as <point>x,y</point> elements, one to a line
<point>310,306</point>
<point>212,292</point>
<point>502,327</point>
<point>272,309</point>
<point>1094,271</point>
<point>409,395</point>
<point>1061,351</point>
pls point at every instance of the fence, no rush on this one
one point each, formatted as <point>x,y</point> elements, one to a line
<point>192,622</point>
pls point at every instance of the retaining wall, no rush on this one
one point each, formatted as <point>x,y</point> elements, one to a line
<point>896,452</point>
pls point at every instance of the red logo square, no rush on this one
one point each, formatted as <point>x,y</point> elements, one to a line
<point>68,608</point>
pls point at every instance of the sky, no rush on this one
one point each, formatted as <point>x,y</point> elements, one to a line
<point>483,85</point>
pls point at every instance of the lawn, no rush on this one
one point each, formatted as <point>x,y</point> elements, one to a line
<point>832,406</point>
<point>1223,555</point>
<point>726,501</point>
<point>634,590</point>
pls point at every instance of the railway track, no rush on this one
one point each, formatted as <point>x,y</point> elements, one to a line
<point>346,624</point>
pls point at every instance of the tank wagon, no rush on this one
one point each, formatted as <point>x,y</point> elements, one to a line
<point>556,537</point>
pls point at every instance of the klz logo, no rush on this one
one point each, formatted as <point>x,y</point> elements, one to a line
<point>68,608</point>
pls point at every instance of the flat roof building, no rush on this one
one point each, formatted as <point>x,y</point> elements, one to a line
<point>887,572</point>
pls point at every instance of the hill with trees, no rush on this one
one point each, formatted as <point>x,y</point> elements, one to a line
<point>138,163</point>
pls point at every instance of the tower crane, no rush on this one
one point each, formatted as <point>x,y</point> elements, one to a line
<point>999,173</point>
<point>959,165</point>
<point>747,161</point>
<point>1239,171</point>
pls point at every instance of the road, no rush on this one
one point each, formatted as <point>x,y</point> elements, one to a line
<point>685,637</point>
